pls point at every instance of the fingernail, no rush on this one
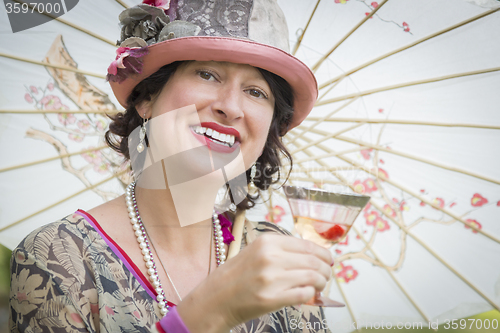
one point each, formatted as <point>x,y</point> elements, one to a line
<point>333,263</point>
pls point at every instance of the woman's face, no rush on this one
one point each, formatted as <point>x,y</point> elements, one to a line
<point>231,99</point>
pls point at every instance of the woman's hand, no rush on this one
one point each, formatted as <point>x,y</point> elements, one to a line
<point>272,272</point>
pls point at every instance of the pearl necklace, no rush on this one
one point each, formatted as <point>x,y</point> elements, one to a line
<point>140,233</point>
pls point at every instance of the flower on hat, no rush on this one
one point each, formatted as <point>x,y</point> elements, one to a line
<point>144,25</point>
<point>129,60</point>
<point>164,4</point>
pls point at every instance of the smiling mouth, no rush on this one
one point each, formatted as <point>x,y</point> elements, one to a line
<point>219,138</point>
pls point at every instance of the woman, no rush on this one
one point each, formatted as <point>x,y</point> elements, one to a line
<point>87,273</point>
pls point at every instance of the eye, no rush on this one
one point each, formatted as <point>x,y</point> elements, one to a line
<point>205,75</point>
<point>257,93</point>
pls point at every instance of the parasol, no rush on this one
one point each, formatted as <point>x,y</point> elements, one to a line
<point>408,114</point>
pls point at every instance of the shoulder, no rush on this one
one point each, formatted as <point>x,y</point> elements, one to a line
<point>71,231</point>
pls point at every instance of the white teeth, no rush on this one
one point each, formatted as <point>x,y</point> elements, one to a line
<point>222,137</point>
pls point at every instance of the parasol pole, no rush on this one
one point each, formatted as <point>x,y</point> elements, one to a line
<point>239,223</point>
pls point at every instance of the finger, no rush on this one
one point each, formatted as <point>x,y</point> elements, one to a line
<point>295,296</point>
<point>300,278</point>
<point>293,261</point>
<point>292,244</point>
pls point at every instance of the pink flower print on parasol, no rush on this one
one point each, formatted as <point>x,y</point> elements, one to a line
<point>276,214</point>
<point>28,98</point>
<point>474,223</point>
<point>66,118</point>
<point>478,200</point>
<point>346,274</point>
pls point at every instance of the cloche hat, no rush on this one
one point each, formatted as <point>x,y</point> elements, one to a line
<point>254,32</point>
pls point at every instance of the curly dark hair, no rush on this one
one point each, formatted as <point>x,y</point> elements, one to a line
<point>268,164</point>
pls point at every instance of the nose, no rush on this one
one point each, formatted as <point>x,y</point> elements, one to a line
<point>229,103</point>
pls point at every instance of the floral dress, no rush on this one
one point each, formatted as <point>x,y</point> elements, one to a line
<point>69,276</point>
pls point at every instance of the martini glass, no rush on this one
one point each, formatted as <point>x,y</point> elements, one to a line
<point>324,218</point>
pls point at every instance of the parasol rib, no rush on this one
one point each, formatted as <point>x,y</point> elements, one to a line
<point>371,62</point>
<point>106,112</point>
<point>407,84</point>
<point>347,303</point>
<point>88,32</point>
<point>405,229</point>
<point>391,274</point>
<point>320,157</point>
<point>19,166</point>
<point>327,136</point>
<point>328,90</point>
<point>324,168</point>
<point>401,122</point>
<point>10,225</point>
<point>416,195</point>
<point>438,257</point>
<point>323,58</point>
<point>305,29</point>
<point>403,188</point>
<point>313,180</point>
<point>406,155</point>
<point>123,4</point>
<point>36,62</point>
<point>321,119</point>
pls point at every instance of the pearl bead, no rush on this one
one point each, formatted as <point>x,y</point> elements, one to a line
<point>140,233</point>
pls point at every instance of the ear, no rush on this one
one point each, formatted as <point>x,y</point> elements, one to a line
<point>144,109</point>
